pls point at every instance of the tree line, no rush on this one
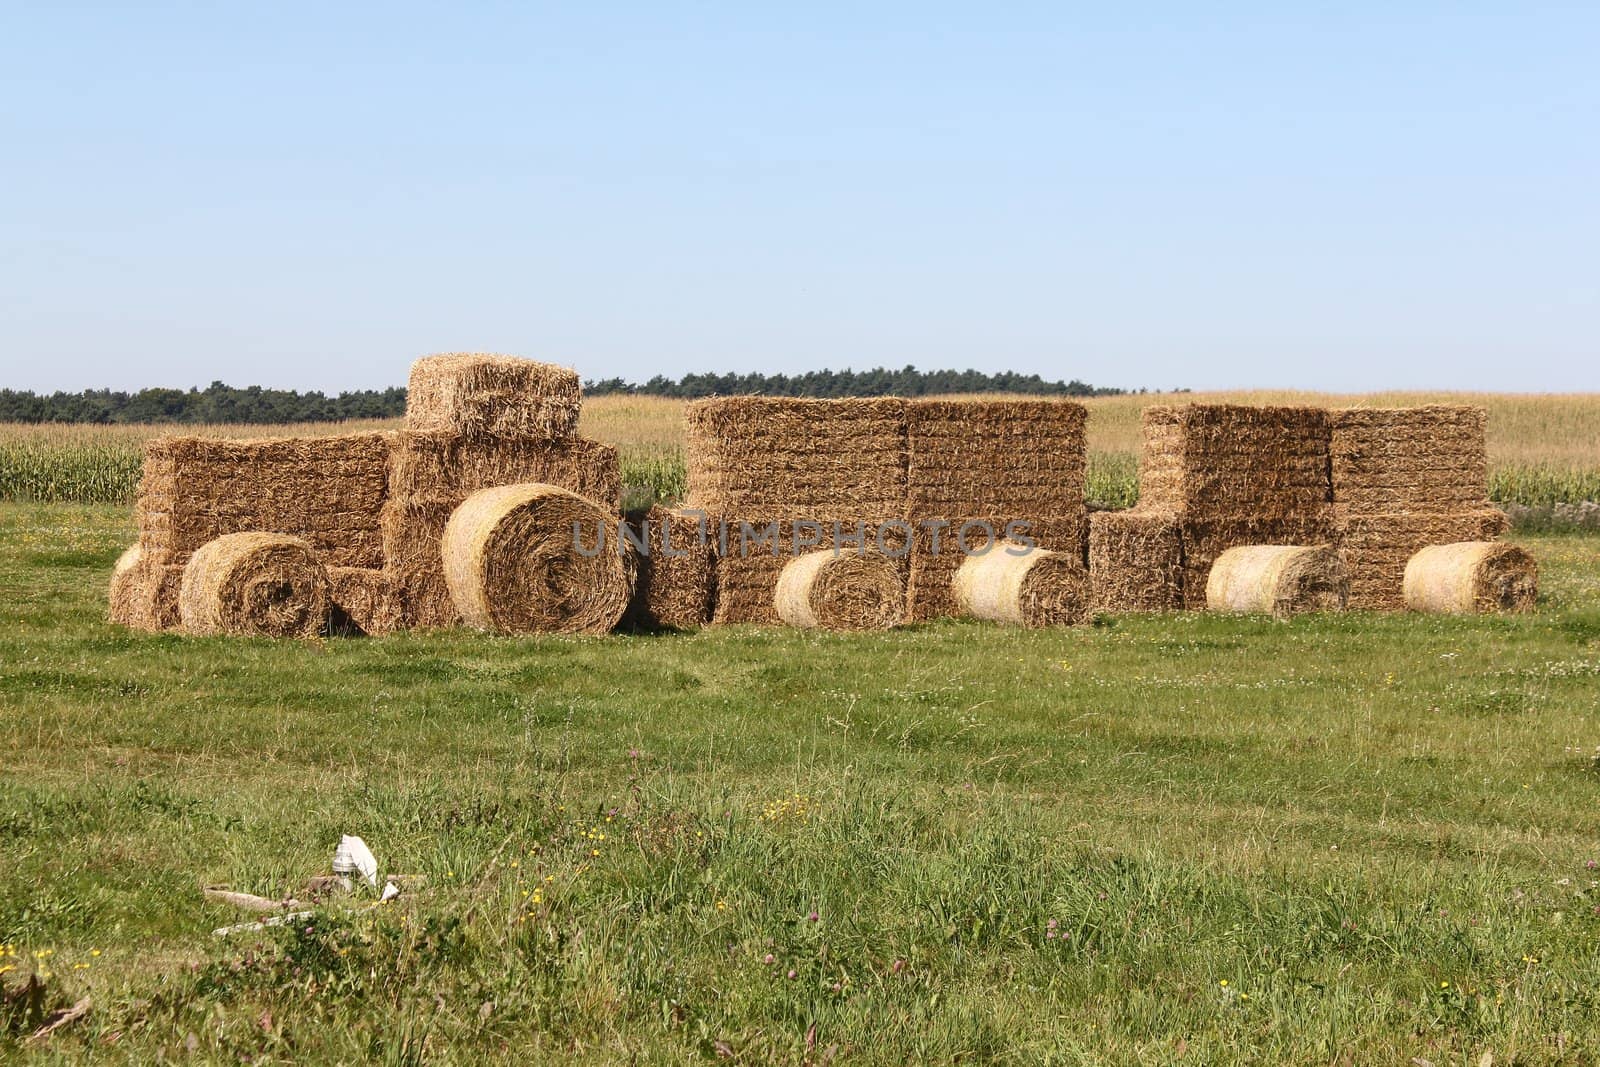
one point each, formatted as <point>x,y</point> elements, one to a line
<point>227,404</point>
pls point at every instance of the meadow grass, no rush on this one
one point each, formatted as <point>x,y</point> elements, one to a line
<point>1180,839</point>
<point>1544,450</point>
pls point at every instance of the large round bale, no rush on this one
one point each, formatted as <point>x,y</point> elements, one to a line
<point>1471,576</point>
<point>124,583</point>
<point>1023,585</point>
<point>260,584</point>
<point>841,591</point>
<point>1278,580</point>
<point>534,558</point>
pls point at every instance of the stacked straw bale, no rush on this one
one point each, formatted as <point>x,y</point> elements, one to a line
<point>515,562</point>
<point>260,584</point>
<point>1471,577</point>
<point>482,395</point>
<point>674,585</point>
<point>1403,479</point>
<point>760,460</point>
<point>327,491</point>
<point>939,551</point>
<point>1229,475</point>
<point>476,422</point>
<point>363,601</point>
<point>1136,561</point>
<point>144,592</point>
<point>1277,580</point>
<point>992,462</point>
<point>1023,586</point>
<point>841,591</point>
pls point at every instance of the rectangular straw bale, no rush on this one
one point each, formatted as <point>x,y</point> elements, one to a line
<point>1431,459</point>
<point>328,491</point>
<point>435,470</point>
<point>364,601</point>
<point>1376,548</point>
<point>674,584</point>
<point>986,457</point>
<point>152,604</point>
<point>807,458</point>
<point>480,395</point>
<point>1135,561</point>
<point>748,563</point>
<point>1206,539</point>
<point>937,554</point>
<point>1222,460</point>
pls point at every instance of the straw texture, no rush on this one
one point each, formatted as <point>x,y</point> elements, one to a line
<point>816,459</point>
<point>675,581</point>
<point>1376,549</point>
<point>938,552</point>
<point>262,584</point>
<point>363,602</point>
<point>995,457</point>
<point>327,491</point>
<point>1226,461</point>
<point>1135,561</point>
<point>481,395</point>
<point>1422,460</point>
<point>144,591</point>
<point>1011,584</point>
<point>513,564</point>
<point>1471,577</point>
<point>1277,580</point>
<point>841,591</point>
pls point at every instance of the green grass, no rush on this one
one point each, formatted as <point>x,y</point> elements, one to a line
<point>1347,839</point>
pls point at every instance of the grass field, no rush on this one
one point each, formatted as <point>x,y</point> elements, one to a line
<point>1186,839</point>
<point>1544,449</point>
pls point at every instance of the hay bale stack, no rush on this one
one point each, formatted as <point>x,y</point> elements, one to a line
<point>995,457</point>
<point>674,584</point>
<point>514,562</point>
<point>1376,549</point>
<point>751,554</point>
<point>327,491</point>
<point>939,549</point>
<point>1422,460</point>
<point>1277,580</point>
<point>480,395</point>
<point>1227,461</point>
<point>144,591</point>
<point>1471,577</point>
<point>363,601</point>
<point>760,459</point>
<point>432,474</point>
<point>1023,587</point>
<point>261,584</point>
<point>1235,475</point>
<point>841,591</point>
<point>972,462</point>
<point>1135,561</point>
<point>828,460</point>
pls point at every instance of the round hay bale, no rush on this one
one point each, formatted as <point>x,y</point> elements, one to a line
<point>1471,576</point>
<point>513,563</point>
<point>841,591</point>
<point>1278,580</point>
<point>260,584</point>
<point>1023,586</point>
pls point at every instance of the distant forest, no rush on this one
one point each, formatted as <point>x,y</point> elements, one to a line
<point>224,403</point>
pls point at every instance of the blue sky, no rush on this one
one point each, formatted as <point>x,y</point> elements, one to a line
<point>1353,196</point>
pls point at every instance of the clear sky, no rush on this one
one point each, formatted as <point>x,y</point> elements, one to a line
<point>1347,196</point>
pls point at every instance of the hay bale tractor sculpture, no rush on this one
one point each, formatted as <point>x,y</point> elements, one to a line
<point>489,510</point>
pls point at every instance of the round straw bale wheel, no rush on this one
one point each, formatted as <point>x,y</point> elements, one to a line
<point>1278,580</point>
<point>1023,585</point>
<point>841,591</point>
<point>254,584</point>
<point>1471,576</point>
<point>535,558</point>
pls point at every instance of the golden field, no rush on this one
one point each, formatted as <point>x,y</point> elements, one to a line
<point>1544,449</point>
